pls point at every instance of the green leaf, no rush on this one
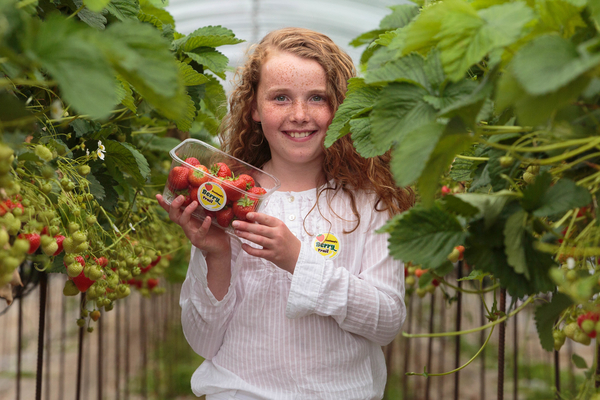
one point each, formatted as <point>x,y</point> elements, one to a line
<point>127,159</point>
<point>399,109</point>
<point>452,143</point>
<point>92,18</point>
<point>361,137</point>
<point>424,236</point>
<point>514,231</point>
<point>211,59</point>
<point>533,193</point>
<point>126,94</point>
<point>96,187</point>
<point>84,76</point>
<point>456,205</point>
<point>83,127</point>
<point>366,38</point>
<point>184,123</point>
<point>466,35</point>
<point>474,275</point>
<point>208,36</point>
<point>152,142</point>
<point>560,16</point>
<point>401,15</point>
<point>123,9</point>
<point>578,361</point>
<point>406,69</point>
<point>546,316</point>
<point>359,99</point>
<point>489,205</point>
<point>163,15</point>
<point>561,197</point>
<point>409,160</point>
<point>11,108</point>
<point>549,62</point>
<point>96,5</point>
<point>190,76</point>
<point>215,99</point>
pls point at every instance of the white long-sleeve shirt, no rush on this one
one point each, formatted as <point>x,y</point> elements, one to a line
<point>316,334</point>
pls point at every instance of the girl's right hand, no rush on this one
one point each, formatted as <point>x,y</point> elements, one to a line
<point>201,234</point>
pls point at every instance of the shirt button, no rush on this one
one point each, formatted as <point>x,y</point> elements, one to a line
<point>292,217</point>
<point>291,199</point>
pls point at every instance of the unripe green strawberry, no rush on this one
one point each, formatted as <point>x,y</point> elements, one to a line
<point>68,259</point>
<point>80,321</point>
<point>528,177</point>
<point>421,292</point>
<point>74,269</point>
<point>559,339</point>
<point>136,271</point>
<point>10,263</point>
<point>430,288</point>
<point>109,306</point>
<point>70,289</point>
<point>79,236</point>
<point>410,280</point>
<point>124,293</point>
<point>581,337</point>
<point>69,245</point>
<point>123,273</point>
<point>4,237</point>
<point>20,247</point>
<point>54,230</point>
<point>46,188</point>
<point>84,170</point>
<point>91,220</point>
<point>571,275</point>
<point>46,240</point>
<point>91,293</point>
<point>43,152</point>
<point>47,172</point>
<point>506,161</point>
<point>90,329</point>
<point>50,248</point>
<point>112,296</point>
<point>145,261</point>
<point>533,169</point>
<point>100,291</point>
<point>570,329</point>
<point>96,273</point>
<point>588,326</point>
<point>73,227</point>
<point>82,247</point>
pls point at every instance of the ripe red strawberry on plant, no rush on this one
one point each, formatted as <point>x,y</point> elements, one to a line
<point>197,177</point>
<point>82,282</point>
<point>33,239</point>
<point>152,282</point>
<point>587,323</point>
<point>225,216</point>
<point>220,170</point>
<point>178,178</point>
<point>59,242</point>
<point>243,206</point>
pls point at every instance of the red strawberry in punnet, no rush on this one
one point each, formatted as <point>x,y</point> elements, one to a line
<point>178,178</point>
<point>249,181</point>
<point>243,206</point>
<point>225,216</point>
<point>231,186</point>
<point>192,161</point>
<point>220,170</point>
<point>197,177</point>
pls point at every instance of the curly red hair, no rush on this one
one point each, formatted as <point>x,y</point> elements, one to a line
<point>343,168</point>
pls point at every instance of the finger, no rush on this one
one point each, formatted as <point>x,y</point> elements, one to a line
<point>253,251</point>
<point>162,203</point>
<point>185,216</point>
<point>174,211</point>
<point>252,228</point>
<point>262,219</point>
<point>254,238</point>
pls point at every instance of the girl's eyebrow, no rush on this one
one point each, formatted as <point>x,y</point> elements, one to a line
<point>285,89</point>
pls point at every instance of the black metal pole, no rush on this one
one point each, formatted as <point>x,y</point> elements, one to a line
<point>458,327</point>
<point>501,344</point>
<point>41,326</point>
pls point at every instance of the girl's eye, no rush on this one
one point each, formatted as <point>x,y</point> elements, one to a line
<point>318,98</point>
<point>280,98</point>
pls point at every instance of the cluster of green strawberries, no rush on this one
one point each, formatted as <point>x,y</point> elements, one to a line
<point>49,217</point>
<point>241,191</point>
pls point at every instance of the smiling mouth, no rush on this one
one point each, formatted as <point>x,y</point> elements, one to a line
<point>299,135</point>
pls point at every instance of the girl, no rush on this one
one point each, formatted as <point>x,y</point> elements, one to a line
<point>300,305</point>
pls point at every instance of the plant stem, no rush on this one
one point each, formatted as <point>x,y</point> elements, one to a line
<point>462,366</point>
<point>496,322</point>
<point>472,158</point>
<point>490,289</point>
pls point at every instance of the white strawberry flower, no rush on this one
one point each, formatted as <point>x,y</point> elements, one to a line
<point>101,150</point>
<point>131,226</point>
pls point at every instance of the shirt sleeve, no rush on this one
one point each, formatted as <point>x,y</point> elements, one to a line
<point>204,318</point>
<point>370,304</point>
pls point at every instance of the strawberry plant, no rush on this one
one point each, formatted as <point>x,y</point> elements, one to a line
<point>93,95</point>
<point>491,109</point>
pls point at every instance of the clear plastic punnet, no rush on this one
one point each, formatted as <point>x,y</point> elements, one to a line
<point>225,187</point>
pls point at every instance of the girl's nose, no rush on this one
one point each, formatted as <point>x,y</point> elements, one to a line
<point>299,112</point>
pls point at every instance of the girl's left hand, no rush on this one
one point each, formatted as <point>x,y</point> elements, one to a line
<point>279,245</point>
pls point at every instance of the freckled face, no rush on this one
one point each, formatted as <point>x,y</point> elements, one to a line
<point>293,108</point>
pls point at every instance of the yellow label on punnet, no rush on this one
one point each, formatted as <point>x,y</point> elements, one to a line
<point>211,196</point>
<point>327,245</point>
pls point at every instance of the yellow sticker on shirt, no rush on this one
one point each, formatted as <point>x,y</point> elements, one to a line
<point>212,196</point>
<point>327,245</point>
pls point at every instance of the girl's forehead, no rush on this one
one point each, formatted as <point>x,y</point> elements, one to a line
<point>287,68</point>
